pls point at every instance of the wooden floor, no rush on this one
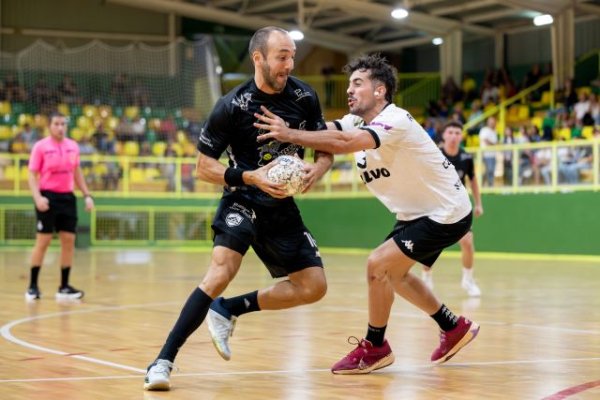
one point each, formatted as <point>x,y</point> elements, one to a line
<point>539,338</point>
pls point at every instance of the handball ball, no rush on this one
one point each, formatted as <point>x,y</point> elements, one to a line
<point>288,170</point>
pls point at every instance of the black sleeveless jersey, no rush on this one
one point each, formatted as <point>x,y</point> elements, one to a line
<point>230,128</point>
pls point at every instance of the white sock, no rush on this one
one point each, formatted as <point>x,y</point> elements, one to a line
<point>467,273</point>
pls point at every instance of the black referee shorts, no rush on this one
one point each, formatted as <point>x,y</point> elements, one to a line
<point>61,216</point>
<point>423,239</point>
<point>277,234</point>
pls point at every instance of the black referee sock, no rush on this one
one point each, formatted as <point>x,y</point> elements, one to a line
<point>376,335</point>
<point>192,314</point>
<point>445,318</point>
<point>242,304</point>
<point>33,277</point>
<point>64,276</point>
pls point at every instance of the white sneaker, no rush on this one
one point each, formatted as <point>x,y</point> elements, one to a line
<point>428,280</point>
<point>157,377</point>
<point>471,287</point>
<point>220,329</point>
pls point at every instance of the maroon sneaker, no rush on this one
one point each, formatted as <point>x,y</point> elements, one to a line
<point>364,358</point>
<point>452,341</point>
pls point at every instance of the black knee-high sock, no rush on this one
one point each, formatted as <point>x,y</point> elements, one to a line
<point>33,278</point>
<point>64,276</point>
<point>242,304</point>
<point>445,318</point>
<point>192,314</point>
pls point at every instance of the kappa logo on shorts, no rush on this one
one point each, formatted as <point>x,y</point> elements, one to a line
<point>408,244</point>
<point>40,226</point>
<point>233,219</point>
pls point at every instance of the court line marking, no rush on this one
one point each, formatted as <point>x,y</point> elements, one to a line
<point>5,332</point>
<point>573,390</point>
<point>405,368</point>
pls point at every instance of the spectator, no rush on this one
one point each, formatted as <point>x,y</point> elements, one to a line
<point>168,168</point>
<point>451,93</point>
<point>67,91</point>
<point>593,116</point>
<point>29,136</point>
<point>581,108</point>
<point>508,139</point>
<point>507,86</point>
<point>43,96</point>
<point>533,77</point>
<point>457,114</point>
<point>13,91</point>
<point>119,90</point>
<point>490,93</point>
<point>430,128</point>
<point>568,96</point>
<point>101,139</point>
<point>475,113</point>
<point>140,95</point>
<point>489,137</point>
<point>168,129</point>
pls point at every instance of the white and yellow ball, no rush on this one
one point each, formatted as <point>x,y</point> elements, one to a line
<point>290,171</point>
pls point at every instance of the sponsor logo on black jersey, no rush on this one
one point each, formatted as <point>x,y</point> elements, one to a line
<point>300,94</point>
<point>242,101</point>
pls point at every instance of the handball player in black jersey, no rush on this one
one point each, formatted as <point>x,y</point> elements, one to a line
<point>253,212</point>
<point>463,163</point>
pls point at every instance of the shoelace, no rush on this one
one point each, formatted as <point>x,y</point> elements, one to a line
<point>353,340</point>
<point>225,330</point>
<point>165,366</point>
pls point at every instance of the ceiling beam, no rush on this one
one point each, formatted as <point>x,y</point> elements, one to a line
<point>395,45</point>
<point>462,7</point>
<point>588,8</point>
<point>224,3</point>
<point>270,5</point>
<point>395,35</point>
<point>328,21</point>
<point>416,20</point>
<point>322,38</point>
<point>357,28</point>
<point>492,15</point>
<point>543,7</point>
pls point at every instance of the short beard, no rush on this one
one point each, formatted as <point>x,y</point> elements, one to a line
<point>269,80</point>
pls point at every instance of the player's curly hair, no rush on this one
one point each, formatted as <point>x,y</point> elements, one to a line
<point>379,70</point>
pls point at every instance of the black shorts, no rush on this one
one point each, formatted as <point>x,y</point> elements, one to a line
<point>423,239</point>
<point>61,216</point>
<point>277,234</point>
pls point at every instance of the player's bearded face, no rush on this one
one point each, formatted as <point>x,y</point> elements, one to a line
<point>275,79</point>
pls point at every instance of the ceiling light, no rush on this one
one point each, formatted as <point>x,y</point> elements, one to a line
<point>399,13</point>
<point>296,35</point>
<point>437,41</point>
<point>545,19</point>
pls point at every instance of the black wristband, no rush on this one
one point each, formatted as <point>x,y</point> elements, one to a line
<point>233,177</point>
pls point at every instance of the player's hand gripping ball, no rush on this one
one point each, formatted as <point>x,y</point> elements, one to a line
<point>288,170</point>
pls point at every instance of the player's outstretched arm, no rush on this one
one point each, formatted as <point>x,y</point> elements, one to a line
<point>330,141</point>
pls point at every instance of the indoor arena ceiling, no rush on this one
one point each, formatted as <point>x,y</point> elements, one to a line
<point>366,25</point>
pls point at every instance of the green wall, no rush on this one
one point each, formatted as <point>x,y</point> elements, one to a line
<point>567,223</point>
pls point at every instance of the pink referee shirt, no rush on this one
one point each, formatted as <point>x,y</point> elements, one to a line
<point>56,162</point>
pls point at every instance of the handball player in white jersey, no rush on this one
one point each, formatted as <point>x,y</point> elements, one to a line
<point>405,170</point>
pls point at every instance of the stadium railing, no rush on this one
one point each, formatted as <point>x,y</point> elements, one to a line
<point>528,167</point>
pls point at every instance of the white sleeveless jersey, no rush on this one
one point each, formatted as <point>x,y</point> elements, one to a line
<point>406,171</point>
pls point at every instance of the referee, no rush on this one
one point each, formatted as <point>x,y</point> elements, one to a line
<point>54,169</point>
